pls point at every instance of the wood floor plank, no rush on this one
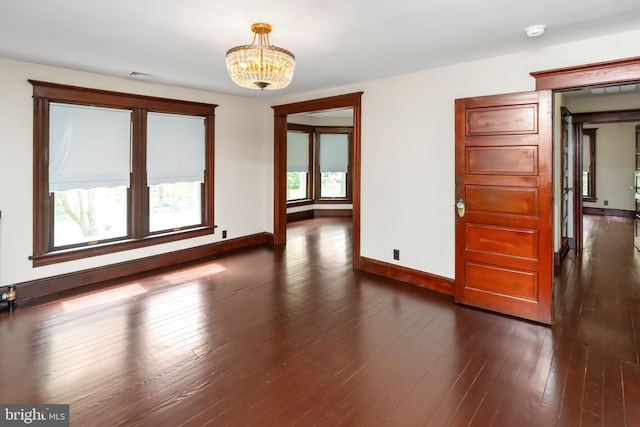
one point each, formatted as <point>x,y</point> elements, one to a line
<point>631,393</point>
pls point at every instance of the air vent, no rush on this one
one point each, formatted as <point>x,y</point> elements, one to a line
<point>140,76</point>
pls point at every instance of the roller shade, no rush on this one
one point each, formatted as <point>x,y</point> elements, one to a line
<point>297,152</point>
<point>334,152</point>
<point>88,147</point>
<point>586,153</point>
<point>175,148</point>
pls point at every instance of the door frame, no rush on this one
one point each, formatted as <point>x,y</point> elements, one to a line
<point>349,100</point>
<point>595,74</point>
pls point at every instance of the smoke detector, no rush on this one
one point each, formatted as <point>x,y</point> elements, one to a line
<point>535,30</point>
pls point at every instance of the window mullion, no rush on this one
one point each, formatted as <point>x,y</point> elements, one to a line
<point>139,191</point>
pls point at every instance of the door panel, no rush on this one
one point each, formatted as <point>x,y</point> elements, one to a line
<point>502,281</point>
<point>502,200</point>
<point>502,160</point>
<point>508,119</point>
<point>513,242</point>
<point>504,246</point>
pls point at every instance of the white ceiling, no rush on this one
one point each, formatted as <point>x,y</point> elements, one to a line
<point>335,42</point>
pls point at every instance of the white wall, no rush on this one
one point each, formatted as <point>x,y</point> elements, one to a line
<point>243,165</point>
<point>408,145</point>
<point>615,165</point>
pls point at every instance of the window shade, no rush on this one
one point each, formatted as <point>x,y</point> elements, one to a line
<point>297,152</point>
<point>88,147</point>
<point>586,153</point>
<point>334,152</point>
<point>175,148</point>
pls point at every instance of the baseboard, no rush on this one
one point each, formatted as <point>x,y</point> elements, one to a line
<point>332,212</point>
<point>608,212</point>
<point>299,216</point>
<point>408,275</point>
<point>318,213</point>
<point>54,284</point>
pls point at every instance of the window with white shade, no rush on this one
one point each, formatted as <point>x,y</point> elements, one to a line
<point>116,171</point>
<point>175,170</point>
<point>333,164</point>
<point>88,172</point>
<point>298,150</point>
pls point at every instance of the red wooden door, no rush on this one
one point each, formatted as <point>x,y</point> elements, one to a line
<point>504,245</point>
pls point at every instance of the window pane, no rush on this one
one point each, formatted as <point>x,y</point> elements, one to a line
<point>89,215</point>
<point>296,185</point>
<point>174,206</point>
<point>175,170</point>
<point>333,184</point>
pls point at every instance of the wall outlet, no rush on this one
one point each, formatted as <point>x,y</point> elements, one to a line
<point>396,254</point>
<point>224,234</point>
<point>606,203</point>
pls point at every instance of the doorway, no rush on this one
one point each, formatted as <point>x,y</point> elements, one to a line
<point>353,101</point>
<point>580,77</point>
<point>602,150</point>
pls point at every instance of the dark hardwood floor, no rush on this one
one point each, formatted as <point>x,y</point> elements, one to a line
<point>293,336</point>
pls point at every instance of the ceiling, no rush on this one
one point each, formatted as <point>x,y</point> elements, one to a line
<point>336,42</point>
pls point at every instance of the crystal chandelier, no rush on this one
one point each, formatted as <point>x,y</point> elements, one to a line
<point>262,65</point>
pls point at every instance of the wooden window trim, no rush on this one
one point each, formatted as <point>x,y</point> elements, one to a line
<point>138,223</point>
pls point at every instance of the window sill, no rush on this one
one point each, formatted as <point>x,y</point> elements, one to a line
<point>299,202</point>
<point>337,200</point>
<point>58,256</point>
<point>589,199</point>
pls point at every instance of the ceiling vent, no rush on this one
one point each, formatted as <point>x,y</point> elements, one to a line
<point>140,76</point>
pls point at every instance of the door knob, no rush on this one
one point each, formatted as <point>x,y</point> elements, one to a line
<point>460,206</point>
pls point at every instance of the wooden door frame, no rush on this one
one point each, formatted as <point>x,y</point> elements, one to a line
<point>596,74</point>
<point>349,100</point>
<point>565,242</point>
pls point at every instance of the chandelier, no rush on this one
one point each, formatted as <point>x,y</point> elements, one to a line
<point>262,65</point>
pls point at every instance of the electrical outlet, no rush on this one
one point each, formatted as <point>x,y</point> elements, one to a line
<point>396,254</point>
<point>606,203</point>
<point>224,234</point>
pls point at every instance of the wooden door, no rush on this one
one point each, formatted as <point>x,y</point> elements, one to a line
<point>504,249</point>
<point>637,187</point>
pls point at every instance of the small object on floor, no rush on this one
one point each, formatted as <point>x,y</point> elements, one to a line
<point>9,297</point>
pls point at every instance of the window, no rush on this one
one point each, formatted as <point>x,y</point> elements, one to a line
<point>318,164</point>
<point>298,160</point>
<point>175,170</point>
<point>88,173</point>
<point>122,171</point>
<point>589,165</point>
<point>333,164</point>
